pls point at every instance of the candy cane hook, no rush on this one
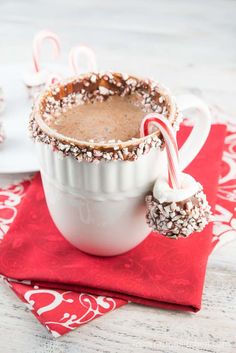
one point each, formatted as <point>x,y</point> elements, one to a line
<point>74,54</point>
<point>168,134</point>
<point>37,45</point>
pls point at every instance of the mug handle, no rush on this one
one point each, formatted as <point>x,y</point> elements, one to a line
<point>200,130</point>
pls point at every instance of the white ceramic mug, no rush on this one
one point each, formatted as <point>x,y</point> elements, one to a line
<point>100,207</point>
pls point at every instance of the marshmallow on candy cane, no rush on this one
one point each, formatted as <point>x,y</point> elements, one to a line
<point>88,52</point>
<point>178,206</point>
<point>37,80</point>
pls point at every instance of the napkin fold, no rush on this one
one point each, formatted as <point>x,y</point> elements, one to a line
<point>160,272</point>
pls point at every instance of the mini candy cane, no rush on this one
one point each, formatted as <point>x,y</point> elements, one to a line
<point>88,52</point>
<point>179,209</point>
<point>37,45</point>
<point>168,134</point>
<point>35,82</point>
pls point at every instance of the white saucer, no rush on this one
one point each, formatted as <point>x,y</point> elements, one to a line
<point>17,153</point>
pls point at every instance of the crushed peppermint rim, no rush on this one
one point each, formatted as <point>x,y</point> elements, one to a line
<point>178,219</point>
<point>98,87</point>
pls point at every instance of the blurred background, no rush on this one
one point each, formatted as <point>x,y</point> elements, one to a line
<point>188,45</point>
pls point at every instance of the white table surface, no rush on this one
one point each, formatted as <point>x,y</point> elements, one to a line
<point>191,47</point>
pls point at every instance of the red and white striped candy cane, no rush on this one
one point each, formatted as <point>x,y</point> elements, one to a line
<point>74,55</point>
<point>37,45</point>
<point>168,134</point>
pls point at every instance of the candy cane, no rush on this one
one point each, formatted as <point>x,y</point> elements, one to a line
<point>37,45</point>
<point>88,52</point>
<point>168,134</point>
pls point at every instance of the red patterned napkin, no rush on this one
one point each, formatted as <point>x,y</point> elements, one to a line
<point>160,272</point>
<point>62,311</point>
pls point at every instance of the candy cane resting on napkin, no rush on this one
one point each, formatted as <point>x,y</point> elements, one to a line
<point>74,54</point>
<point>177,207</point>
<point>36,81</point>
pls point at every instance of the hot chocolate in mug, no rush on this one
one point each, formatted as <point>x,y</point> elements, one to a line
<point>95,191</point>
